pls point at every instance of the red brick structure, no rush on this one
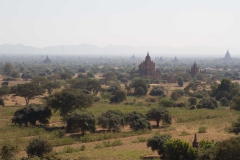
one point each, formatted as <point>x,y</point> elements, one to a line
<point>47,60</point>
<point>147,69</point>
<point>194,70</point>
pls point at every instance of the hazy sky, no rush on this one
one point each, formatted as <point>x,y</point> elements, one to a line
<point>175,23</point>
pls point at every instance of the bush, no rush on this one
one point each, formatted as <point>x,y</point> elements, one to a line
<point>38,147</point>
<point>202,129</point>
<point>119,96</point>
<point>209,103</point>
<point>166,102</point>
<point>228,149</point>
<point>7,152</point>
<point>31,114</point>
<point>157,143</point>
<point>192,100</point>
<point>139,91</point>
<point>224,101</point>
<point>235,128</point>
<point>177,149</point>
<point>137,121</point>
<point>157,91</point>
<point>175,96</point>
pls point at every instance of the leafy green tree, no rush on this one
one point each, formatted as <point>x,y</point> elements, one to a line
<point>157,143</point>
<point>165,102</point>
<point>180,81</point>
<point>177,149</point>
<point>228,149</point>
<point>80,121</point>
<point>137,121</point>
<point>236,104</point>
<point>81,70</point>
<point>28,91</point>
<point>38,147</point>
<point>2,102</point>
<point>31,114</point>
<point>50,86</point>
<point>15,74</point>
<point>4,90</point>
<point>139,82</point>
<point>110,78</point>
<point>112,120</point>
<point>157,91</point>
<point>140,91</point>
<point>39,80</point>
<point>68,100</point>
<point>235,128</point>
<point>90,74</point>
<point>159,114</point>
<point>209,103</point>
<point>65,75</point>
<point>175,96</point>
<point>119,96</point>
<point>7,68</point>
<point>192,100</point>
<point>224,101</point>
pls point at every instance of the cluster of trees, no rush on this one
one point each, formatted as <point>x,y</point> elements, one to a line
<point>173,149</point>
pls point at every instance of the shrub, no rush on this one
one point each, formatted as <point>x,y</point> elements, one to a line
<point>166,102</point>
<point>224,101</point>
<point>192,100</point>
<point>202,129</point>
<point>119,96</point>
<point>7,152</point>
<point>157,143</point>
<point>209,103</point>
<point>157,91</point>
<point>139,91</point>
<point>38,147</point>
<point>175,96</point>
<point>137,121</point>
<point>177,149</point>
<point>235,128</point>
<point>31,114</point>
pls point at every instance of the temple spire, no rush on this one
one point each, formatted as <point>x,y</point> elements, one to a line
<point>195,142</point>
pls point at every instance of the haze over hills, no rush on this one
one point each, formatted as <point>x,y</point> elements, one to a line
<point>120,50</point>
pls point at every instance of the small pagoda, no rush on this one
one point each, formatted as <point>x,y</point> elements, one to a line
<point>47,60</point>
<point>195,143</point>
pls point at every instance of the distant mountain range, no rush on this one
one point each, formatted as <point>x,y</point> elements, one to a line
<point>120,50</point>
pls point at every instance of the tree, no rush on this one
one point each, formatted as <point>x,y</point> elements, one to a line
<point>81,70</point>
<point>180,81</point>
<point>140,91</point>
<point>80,121</point>
<point>7,68</point>
<point>180,150</point>
<point>119,96</point>
<point>224,101</point>
<point>165,102</point>
<point>110,78</point>
<point>175,96</point>
<point>157,91</point>
<point>7,152</point>
<point>137,121</point>
<point>227,149</point>
<point>112,120</point>
<point>28,91</point>
<point>4,90</point>
<point>139,82</point>
<point>192,100</point>
<point>50,86</point>
<point>157,143</point>
<point>159,114</point>
<point>236,104</point>
<point>90,74</point>
<point>209,103</point>
<point>39,80</point>
<point>31,114</point>
<point>38,147</point>
<point>15,74</point>
<point>68,100</point>
<point>235,128</point>
<point>2,102</point>
<point>65,76</point>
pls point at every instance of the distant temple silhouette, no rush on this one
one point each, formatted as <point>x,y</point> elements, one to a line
<point>227,56</point>
<point>175,59</point>
<point>147,69</point>
<point>194,70</point>
<point>133,57</point>
<point>47,60</point>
